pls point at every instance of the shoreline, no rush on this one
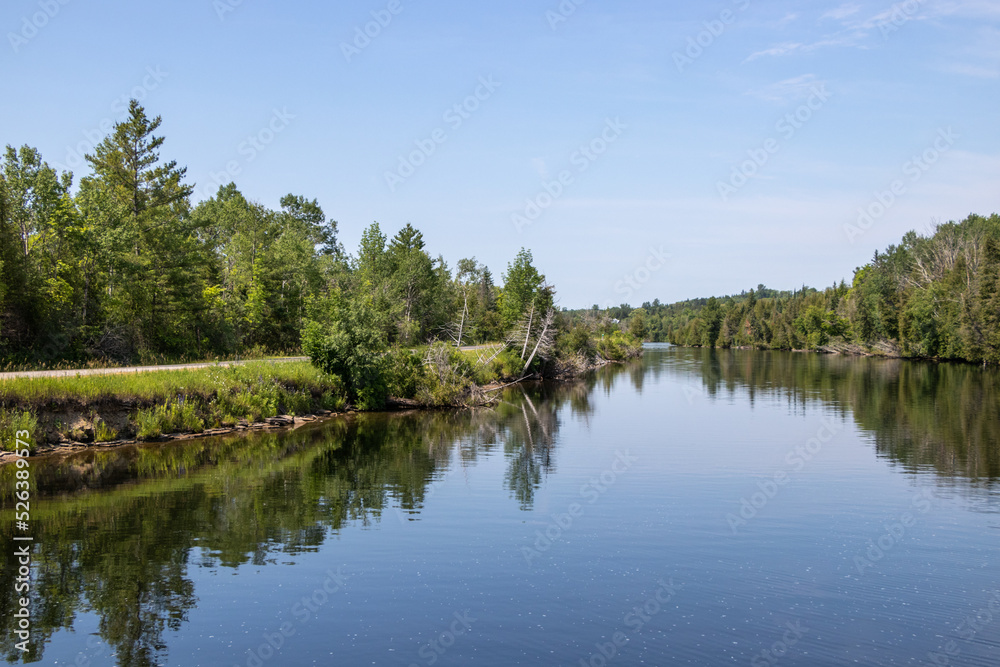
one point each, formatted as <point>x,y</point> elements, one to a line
<point>123,410</point>
<point>881,350</point>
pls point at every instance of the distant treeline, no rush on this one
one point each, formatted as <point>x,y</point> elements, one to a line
<point>127,268</point>
<point>932,296</point>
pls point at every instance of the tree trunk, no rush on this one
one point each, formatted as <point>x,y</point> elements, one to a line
<point>527,333</point>
<point>461,325</point>
<point>541,337</point>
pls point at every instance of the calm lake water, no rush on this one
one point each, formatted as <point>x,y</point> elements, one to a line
<point>695,507</point>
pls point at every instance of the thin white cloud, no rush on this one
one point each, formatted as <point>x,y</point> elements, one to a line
<point>788,89</point>
<point>788,18</point>
<point>968,8</point>
<point>780,50</point>
<point>790,48</point>
<point>966,69</point>
<point>842,12</point>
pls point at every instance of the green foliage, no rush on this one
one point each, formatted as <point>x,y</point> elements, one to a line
<point>508,365</point>
<point>618,346</point>
<point>522,289</point>
<point>404,372</point>
<point>181,416</point>
<point>577,340</point>
<point>447,376</point>
<point>930,296</point>
<point>344,340</point>
<point>817,326</point>
<point>13,422</point>
<point>131,269</point>
<point>184,400</point>
<point>103,432</point>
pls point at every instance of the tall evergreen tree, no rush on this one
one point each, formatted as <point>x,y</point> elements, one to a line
<point>153,243</point>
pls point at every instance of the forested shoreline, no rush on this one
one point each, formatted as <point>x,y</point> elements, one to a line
<point>126,268</point>
<point>929,297</point>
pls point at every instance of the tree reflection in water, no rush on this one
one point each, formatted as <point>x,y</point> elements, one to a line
<point>115,531</point>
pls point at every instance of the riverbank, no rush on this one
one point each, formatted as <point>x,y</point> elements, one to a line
<point>66,414</point>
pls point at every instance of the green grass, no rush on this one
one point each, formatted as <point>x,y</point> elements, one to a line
<point>145,359</point>
<point>103,432</point>
<point>155,386</point>
<point>14,421</point>
<point>174,417</point>
<point>174,401</point>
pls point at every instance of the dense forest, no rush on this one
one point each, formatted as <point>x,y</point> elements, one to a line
<point>934,296</point>
<point>124,267</point>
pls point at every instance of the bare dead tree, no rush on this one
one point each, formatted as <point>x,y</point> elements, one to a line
<point>546,340</point>
<point>482,360</point>
<point>527,330</point>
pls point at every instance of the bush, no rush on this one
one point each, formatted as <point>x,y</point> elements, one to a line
<point>576,341</point>
<point>447,376</point>
<point>404,372</point>
<point>347,342</point>
<point>618,346</point>
<point>508,365</point>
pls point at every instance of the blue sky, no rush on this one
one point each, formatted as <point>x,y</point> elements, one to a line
<point>640,149</point>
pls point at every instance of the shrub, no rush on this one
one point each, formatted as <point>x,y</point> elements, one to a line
<point>508,365</point>
<point>404,372</point>
<point>103,432</point>
<point>446,378</point>
<point>350,345</point>
<point>576,341</point>
<point>618,346</point>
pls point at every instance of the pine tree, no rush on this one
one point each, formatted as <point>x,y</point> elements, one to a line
<point>152,242</point>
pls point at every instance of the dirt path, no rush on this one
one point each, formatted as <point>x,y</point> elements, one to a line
<point>136,369</point>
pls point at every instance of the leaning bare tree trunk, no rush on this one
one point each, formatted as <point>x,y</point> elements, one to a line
<point>527,333</point>
<point>543,342</point>
<point>461,325</point>
<point>496,353</point>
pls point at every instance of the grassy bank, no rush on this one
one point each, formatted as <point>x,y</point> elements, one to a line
<point>94,409</point>
<point>103,408</point>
